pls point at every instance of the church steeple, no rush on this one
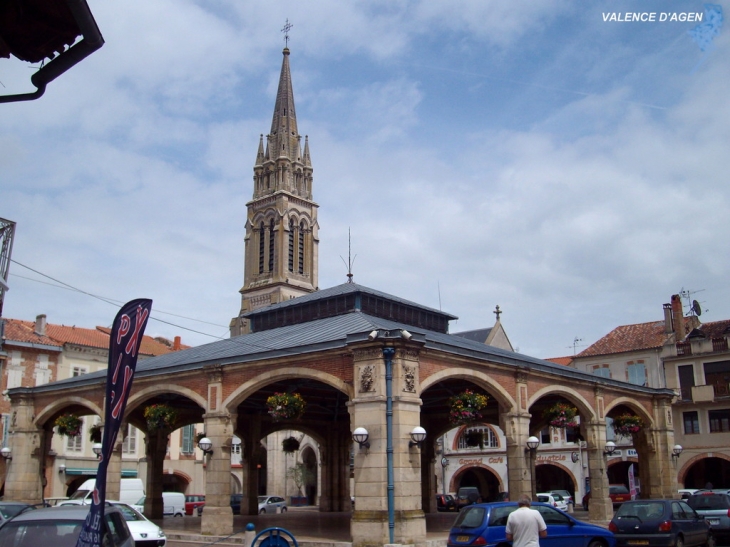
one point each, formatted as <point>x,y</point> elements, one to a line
<point>281,256</point>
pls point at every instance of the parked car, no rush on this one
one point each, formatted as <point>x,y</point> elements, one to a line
<point>483,524</point>
<point>61,526</point>
<point>685,493</point>
<point>144,532</point>
<point>554,499</point>
<point>270,504</point>
<point>467,495</point>
<point>714,507</point>
<point>567,496</point>
<point>617,492</point>
<point>192,502</point>
<point>660,522</point>
<point>445,502</point>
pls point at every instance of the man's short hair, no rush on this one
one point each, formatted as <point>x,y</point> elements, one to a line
<point>524,501</point>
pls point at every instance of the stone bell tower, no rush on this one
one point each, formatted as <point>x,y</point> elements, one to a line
<point>281,227</point>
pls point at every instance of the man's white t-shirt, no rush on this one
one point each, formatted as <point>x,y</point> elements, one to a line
<point>525,525</point>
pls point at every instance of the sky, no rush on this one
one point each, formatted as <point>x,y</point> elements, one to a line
<point>544,156</point>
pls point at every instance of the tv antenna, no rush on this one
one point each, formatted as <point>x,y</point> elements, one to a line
<point>694,307</point>
<point>350,259</point>
<point>575,343</point>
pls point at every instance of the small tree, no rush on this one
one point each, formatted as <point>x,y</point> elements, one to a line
<point>301,475</point>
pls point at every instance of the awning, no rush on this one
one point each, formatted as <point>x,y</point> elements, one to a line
<point>92,471</point>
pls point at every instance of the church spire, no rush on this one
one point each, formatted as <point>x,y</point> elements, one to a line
<point>284,135</point>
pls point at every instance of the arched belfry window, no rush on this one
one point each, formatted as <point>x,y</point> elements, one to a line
<point>291,244</point>
<point>262,243</point>
<point>301,247</point>
<point>271,245</point>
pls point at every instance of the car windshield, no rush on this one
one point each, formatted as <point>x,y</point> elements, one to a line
<point>79,494</point>
<point>645,510</point>
<point>704,502</point>
<point>130,515</point>
<point>8,511</point>
<point>38,533</point>
<point>471,517</point>
<point>262,499</point>
<point>618,490</point>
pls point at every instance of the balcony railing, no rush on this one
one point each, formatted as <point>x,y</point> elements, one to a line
<point>684,348</point>
<point>719,344</point>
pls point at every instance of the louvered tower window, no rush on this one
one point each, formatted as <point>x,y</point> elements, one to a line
<point>261,248</point>
<point>301,248</point>
<point>291,244</point>
<point>271,245</point>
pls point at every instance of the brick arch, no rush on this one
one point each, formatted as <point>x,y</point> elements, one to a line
<point>465,468</point>
<point>179,473</point>
<point>44,415</point>
<point>243,391</point>
<point>693,460</point>
<point>640,410</point>
<point>482,379</point>
<point>561,466</point>
<point>584,407</point>
<point>616,461</point>
<point>138,398</point>
<point>265,216</point>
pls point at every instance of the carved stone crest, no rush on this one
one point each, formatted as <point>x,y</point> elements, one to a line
<point>367,378</point>
<point>409,379</point>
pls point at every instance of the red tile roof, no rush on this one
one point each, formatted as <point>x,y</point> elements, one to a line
<point>59,335</point>
<point>641,336</point>
<point>715,329</point>
<point>565,361</point>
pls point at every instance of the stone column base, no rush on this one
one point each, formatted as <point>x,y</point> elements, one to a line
<point>217,521</point>
<point>370,528</point>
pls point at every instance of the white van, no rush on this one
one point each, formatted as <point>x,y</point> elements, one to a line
<point>173,503</point>
<point>130,490</point>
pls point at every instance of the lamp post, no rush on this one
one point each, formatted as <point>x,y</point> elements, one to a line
<point>532,444</point>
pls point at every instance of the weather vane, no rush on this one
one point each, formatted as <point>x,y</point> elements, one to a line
<point>286,30</point>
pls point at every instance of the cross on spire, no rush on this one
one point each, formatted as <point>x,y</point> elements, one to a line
<point>497,312</point>
<point>286,30</point>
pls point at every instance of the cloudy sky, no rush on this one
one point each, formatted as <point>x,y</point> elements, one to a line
<point>526,153</point>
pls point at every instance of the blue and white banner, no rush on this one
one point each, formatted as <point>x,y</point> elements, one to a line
<point>124,341</point>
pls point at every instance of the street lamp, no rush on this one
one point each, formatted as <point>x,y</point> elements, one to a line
<point>361,436</point>
<point>532,444</point>
<point>609,448</point>
<point>206,445</point>
<point>676,451</point>
<point>6,453</point>
<point>96,449</point>
<point>418,435</point>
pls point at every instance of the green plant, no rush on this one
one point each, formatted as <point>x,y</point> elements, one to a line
<point>301,475</point>
<point>289,445</point>
<point>69,425</point>
<point>465,407</point>
<point>627,424</point>
<point>160,416</point>
<point>95,432</point>
<point>285,406</point>
<point>560,415</point>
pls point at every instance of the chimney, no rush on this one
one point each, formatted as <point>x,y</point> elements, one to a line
<point>176,344</point>
<point>667,319</point>
<point>40,325</point>
<point>678,317</point>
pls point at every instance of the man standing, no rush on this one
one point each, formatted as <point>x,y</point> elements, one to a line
<point>525,525</point>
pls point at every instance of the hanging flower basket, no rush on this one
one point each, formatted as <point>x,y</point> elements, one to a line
<point>627,424</point>
<point>285,406</point>
<point>465,407</point>
<point>289,445</point>
<point>560,415</point>
<point>68,425</point>
<point>95,433</point>
<point>160,417</point>
<point>474,438</point>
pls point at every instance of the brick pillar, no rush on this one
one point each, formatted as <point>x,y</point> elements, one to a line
<point>114,469</point>
<point>218,517</point>
<point>370,520</point>
<point>23,480</point>
<point>657,471</point>
<point>251,452</point>
<point>155,451</point>
<point>515,422</point>
<point>600,507</point>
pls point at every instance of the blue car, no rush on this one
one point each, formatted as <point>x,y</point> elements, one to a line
<point>660,523</point>
<point>483,525</point>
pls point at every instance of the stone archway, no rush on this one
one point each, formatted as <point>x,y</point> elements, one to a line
<point>551,476</point>
<point>713,468</point>
<point>309,459</point>
<point>481,476</point>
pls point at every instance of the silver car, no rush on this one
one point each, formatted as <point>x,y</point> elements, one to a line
<point>270,504</point>
<point>144,532</point>
<point>61,526</point>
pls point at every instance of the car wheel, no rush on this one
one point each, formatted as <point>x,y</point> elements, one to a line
<point>679,542</point>
<point>596,543</point>
<point>710,541</point>
<point>262,511</point>
<point>283,509</point>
